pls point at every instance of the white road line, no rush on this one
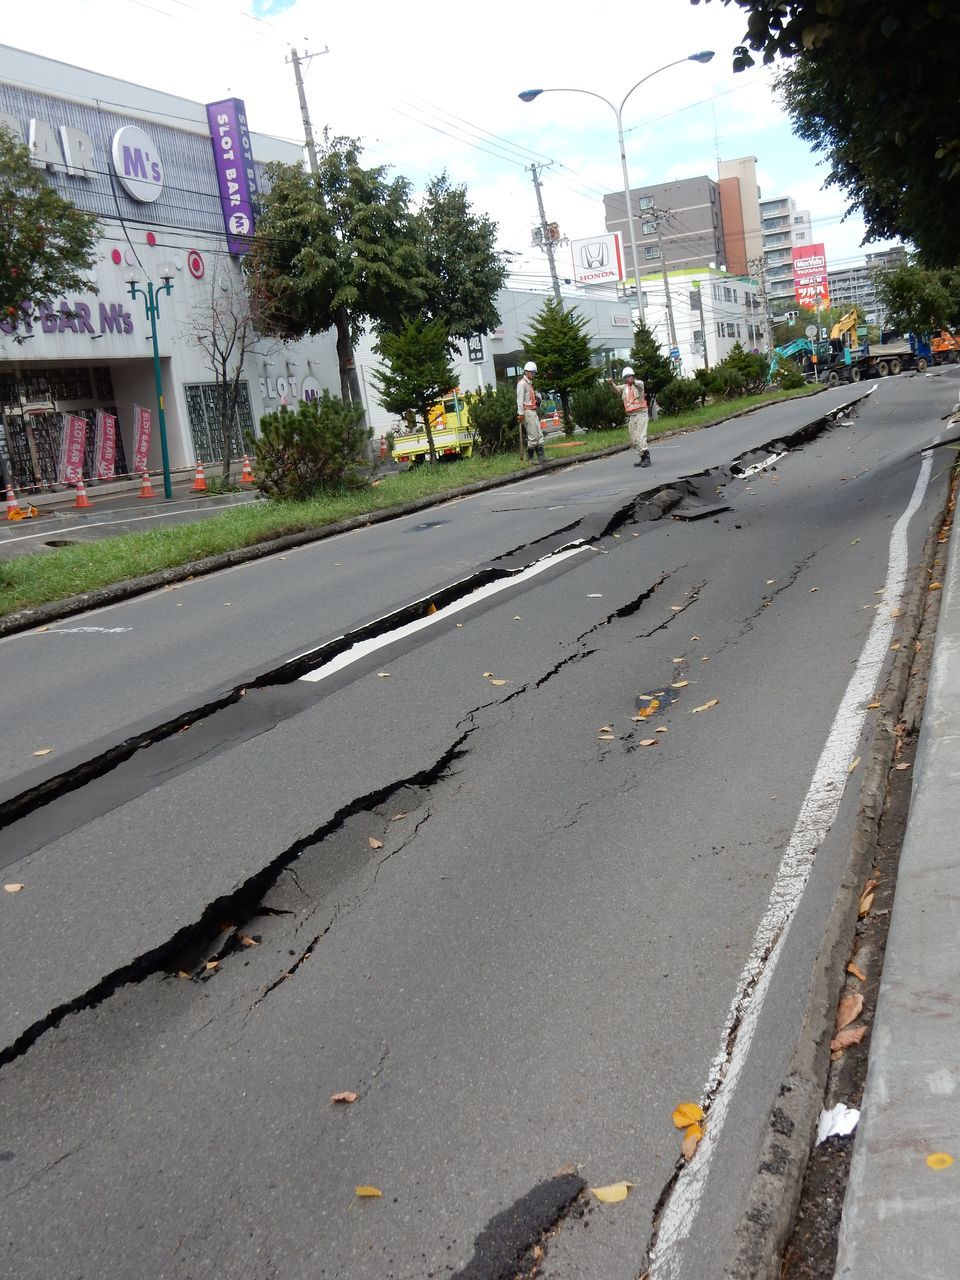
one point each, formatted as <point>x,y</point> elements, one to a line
<point>363,648</point>
<point>817,814</point>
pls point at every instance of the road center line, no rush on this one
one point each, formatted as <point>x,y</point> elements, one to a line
<point>363,648</point>
<point>817,814</point>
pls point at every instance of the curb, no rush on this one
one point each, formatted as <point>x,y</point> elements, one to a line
<point>771,1206</point>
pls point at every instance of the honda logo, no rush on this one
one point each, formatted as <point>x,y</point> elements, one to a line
<point>595,255</point>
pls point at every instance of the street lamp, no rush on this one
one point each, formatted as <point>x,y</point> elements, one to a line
<point>151,302</point>
<point>528,95</point>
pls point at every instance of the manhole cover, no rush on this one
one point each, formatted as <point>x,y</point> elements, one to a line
<point>61,542</point>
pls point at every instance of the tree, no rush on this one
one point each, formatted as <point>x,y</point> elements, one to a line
<point>648,362</point>
<point>559,344</point>
<point>223,328</point>
<point>462,271</point>
<point>919,301</point>
<point>417,372</point>
<point>872,85</point>
<point>597,406</point>
<point>47,244</point>
<point>319,445</point>
<point>785,331</point>
<point>334,250</point>
<point>493,419</point>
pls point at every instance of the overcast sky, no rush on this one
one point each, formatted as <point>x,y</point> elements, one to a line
<point>432,84</point>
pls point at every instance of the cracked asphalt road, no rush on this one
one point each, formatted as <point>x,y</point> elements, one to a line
<point>514,936</point>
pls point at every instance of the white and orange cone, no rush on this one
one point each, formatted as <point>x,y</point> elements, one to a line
<point>199,480</point>
<point>246,475</point>
<point>13,506</point>
<point>82,499</point>
<point>146,488</point>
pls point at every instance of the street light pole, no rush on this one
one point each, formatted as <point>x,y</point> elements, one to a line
<point>151,302</point>
<point>528,95</point>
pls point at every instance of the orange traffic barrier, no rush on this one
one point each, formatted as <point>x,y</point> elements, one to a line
<point>82,499</point>
<point>246,475</point>
<point>383,446</point>
<point>146,488</point>
<point>199,480</point>
<point>13,506</point>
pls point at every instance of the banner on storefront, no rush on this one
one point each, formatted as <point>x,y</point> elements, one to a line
<point>142,421</point>
<point>105,446</point>
<point>810,276</point>
<point>72,440</point>
<point>236,173</point>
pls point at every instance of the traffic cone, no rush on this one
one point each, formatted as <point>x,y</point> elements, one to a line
<point>146,488</point>
<point>13,506</point>
<point>82,499</point>
<point>246,475</point>
<point>199,480</point>
<point>383,446</point>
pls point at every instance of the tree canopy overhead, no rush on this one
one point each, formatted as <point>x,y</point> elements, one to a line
<point>872,85</point>
<point>47,244</point>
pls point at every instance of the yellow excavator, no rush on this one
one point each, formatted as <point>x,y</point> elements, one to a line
<point>845,325</point>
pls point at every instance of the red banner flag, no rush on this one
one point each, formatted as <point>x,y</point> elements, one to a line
<point>141,438</point>
<point>105,450</point>
<point>71,448</point>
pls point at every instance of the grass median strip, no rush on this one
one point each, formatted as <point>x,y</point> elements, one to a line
<point>30,580</point>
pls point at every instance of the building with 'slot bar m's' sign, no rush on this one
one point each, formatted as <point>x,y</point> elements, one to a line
<point>173,184</point>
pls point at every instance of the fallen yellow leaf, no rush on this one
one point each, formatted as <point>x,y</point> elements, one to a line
<point>678,659</point>
<point>812,589</point>
<point>679,684</point>
<point>853,764</point>
<point>384,675</point>
<point>369,1193</point>
<point>247,941</point>
<point>854,542</point>
<point>498,682</point>
<point>856,971</point>
<point>12,888</point>
<point>212,964</point>
<point>397,816</point>
<point>605,728</point>
<point>606,737</point>
<point>661,728</point>
<point>706,706</point>
<point>691,1138</point>
<point>487,675</point>
<point>873,706</point>
<point>866,902</point>
<point>771,581</point>
<point>935,586</point>
<point>900,767</point>
<point>649,742</point>
<point>44,751</point>
<point>431,607</point>
<point>694,637</point>
<point>687,1113</point>
<point>677,608</point>
<point>347,1095</point>
<point>613,1194</point>
<point>848,1036</point>
<point>939,1160</point>
<point>848,1010</point>
<point>374,843</point>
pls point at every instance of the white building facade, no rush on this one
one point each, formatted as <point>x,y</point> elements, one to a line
<point>172,186</point>
<point>712,311</point>
<point>785,227</point>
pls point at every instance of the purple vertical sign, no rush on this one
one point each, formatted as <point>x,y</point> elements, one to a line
<point>236,175</point>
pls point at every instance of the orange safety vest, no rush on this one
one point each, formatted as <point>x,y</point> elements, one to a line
<point>529,396</point>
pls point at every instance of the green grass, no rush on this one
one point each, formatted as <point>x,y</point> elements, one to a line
<point>35,579</point>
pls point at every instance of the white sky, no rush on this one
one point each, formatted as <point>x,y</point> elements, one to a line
<point>432,84</point>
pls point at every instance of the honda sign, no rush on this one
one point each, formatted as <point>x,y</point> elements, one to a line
<point>597,260</point>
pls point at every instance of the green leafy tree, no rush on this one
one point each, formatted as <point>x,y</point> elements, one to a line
<point>317,446</point>
<point>47,244</point>
<point>493,418</point>
<point>597,406</point>
<point>919,301</point>
<point>334,250</point>
<point>785,331</point>
<point>648,362</point>
<point>872,85</point>
<point>559,344</point>
<point>679,396</point>
<point>741,372</point>
<point>417,370</point>
<point>462,272</point>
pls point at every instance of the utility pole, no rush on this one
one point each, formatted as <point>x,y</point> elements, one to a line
<point>758,268</point>
<point>547,243</point>
<point>301,94</point>
<point>660,214</point>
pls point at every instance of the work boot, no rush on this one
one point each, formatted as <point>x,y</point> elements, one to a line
<point>645,458</point>
<point>529,453</point>
<point>541,456</point>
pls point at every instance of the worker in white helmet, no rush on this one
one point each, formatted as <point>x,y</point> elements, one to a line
<point>527,414</point>
<point>635,403</point>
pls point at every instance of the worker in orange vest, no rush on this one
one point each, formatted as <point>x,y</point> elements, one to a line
<point>527,413</point>
<point>635,403</point>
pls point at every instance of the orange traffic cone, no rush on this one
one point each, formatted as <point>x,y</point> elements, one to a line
<point>199,480</point>
<point>246,475</point>
<point>82,499</point>
<point>146,488</point>
<point>13,506</point>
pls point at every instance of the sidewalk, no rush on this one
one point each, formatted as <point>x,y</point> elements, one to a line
<point>902,1205</point>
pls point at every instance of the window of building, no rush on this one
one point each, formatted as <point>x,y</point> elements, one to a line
<point>720,329</point>
<point>651,251</point>
<point>738,331</point>
<point>727,293</point>
<point>648,228</point>
<point>698,337</point>
<point>734,295</point>
<point>717,294</point>
<point>645,202</point>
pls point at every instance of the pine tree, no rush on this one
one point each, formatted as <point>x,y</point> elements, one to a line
<point>559,344</point>
<point>417,372</point>
<point>650,365</point>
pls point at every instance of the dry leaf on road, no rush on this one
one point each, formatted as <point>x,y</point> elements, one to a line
<point>397,816</point>
<point>848,1010</point>
<point>369,1193</point>
<point>384,675</point>
<point>687,1113</point>
<point>848,1036</point>
<point>691,1139</point>
<point>44,751</point>
<point>856,971</point>
<point>866,902</point>
<point>374,843</point>
<point>347,1095</point>
<point>606,737</point>
<point>706,706</point>
<point>853,764</point>
<point>12,888</point>
<point>498,682</point>
<point>679,684</point>
<point>900,767</point>
<point>873,706</point>
<point>612,1194</point>
<point>247,941</point>
<point>649,742</point>
<point>935,586</point>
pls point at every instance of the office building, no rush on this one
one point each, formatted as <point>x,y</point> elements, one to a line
<point>784,228</point>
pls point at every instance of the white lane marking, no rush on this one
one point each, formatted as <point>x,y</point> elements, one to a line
<point>57,531</point>
<point>363,648</point>
<point>816,816</point>
<point>760,466</point>
<point>77,631</point>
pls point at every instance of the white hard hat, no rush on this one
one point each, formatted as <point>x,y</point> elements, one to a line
<point>628,372</point>
<point>530,367</point>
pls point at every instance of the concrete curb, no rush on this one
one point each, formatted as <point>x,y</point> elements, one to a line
<point>772,1204</point>
<point>53,610</point>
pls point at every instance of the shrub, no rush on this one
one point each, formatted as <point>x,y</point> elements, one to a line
<point>317,446</point>
<point>788,376</point>
<point>597,406</point>
<point>752,370</point>
<point>679,396</point>
<point>493,417</point>
<point>726,383</point>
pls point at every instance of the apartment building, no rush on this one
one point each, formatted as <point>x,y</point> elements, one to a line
<point>784,227</point>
